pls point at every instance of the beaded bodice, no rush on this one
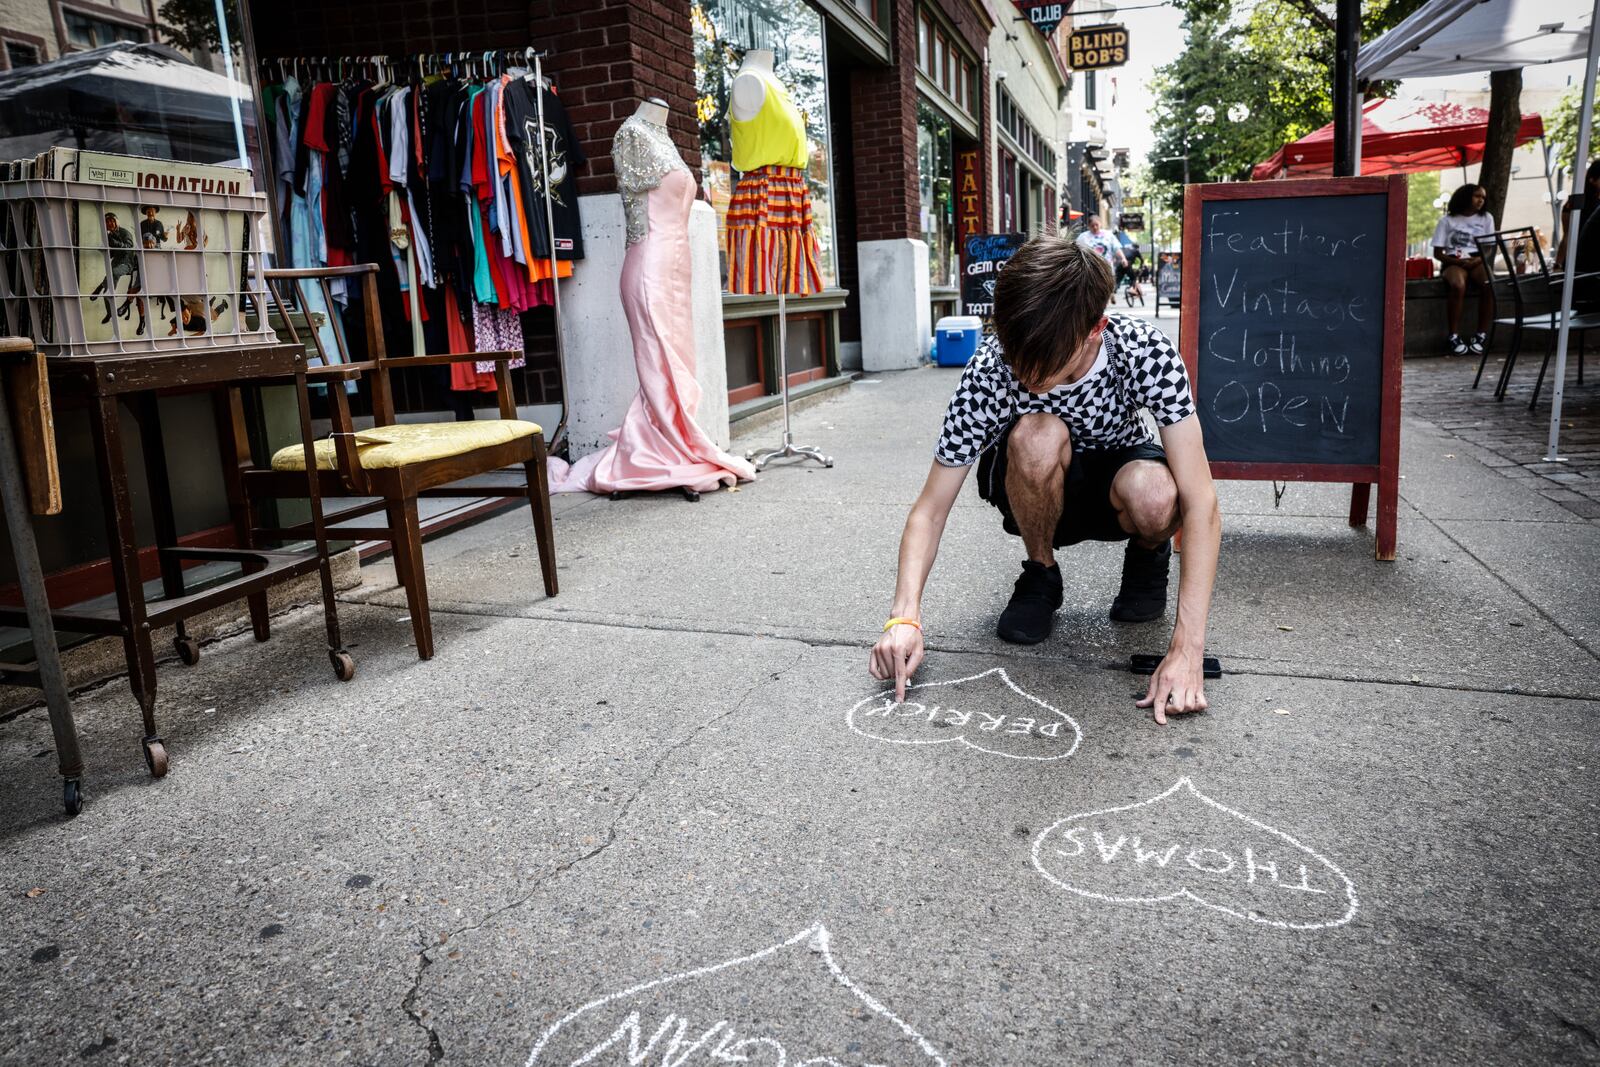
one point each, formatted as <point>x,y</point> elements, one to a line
<point>642,153</point>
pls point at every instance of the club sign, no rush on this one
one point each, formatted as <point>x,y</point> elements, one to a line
<point>1097,47</point>
<point>1045,17</point>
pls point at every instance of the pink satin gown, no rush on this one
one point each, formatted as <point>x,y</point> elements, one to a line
<point>659,445</point>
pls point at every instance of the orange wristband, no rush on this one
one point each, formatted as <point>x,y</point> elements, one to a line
<point>897,621</point>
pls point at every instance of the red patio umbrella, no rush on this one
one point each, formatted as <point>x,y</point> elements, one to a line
<point>1398,137</point>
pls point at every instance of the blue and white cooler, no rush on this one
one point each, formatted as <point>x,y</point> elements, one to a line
<point>955,339</point>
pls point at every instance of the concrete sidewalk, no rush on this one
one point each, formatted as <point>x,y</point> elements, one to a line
<point>667,815</point>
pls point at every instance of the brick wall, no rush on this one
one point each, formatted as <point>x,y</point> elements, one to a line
<point>884,102</point>
<point>884,107</point>
<point>605,55</point>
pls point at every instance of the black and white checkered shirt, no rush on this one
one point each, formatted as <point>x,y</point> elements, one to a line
<point>1138,367</point>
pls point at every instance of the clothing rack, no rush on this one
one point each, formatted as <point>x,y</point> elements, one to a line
<point>457,64</point>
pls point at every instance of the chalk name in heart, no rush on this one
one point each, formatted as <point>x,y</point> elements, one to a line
<point>986,713</point>
<point>1183,848</point>
<point>788,1003</point>
<point>1290,337</point>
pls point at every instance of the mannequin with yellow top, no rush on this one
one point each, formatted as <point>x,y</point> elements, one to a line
<point>772,246</point>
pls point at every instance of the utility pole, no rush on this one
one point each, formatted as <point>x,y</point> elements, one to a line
<point>1346,102</point>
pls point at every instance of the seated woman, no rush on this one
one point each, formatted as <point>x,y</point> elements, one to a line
<point>1455,245</point>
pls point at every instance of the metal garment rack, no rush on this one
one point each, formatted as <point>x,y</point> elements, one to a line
<point>761,457</point>
<point>469,65</point>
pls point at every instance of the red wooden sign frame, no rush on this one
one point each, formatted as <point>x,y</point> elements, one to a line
<point>1386,473</point>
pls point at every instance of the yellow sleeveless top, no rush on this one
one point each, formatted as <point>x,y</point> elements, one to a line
<point>775,136</point>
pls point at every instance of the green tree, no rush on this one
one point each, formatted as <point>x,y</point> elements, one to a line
<point>1274,57</point>
<point>1421,216</point>
<point>192,24</point>
<point>1561,127</point>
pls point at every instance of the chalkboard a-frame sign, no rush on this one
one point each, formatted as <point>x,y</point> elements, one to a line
<point>1293,320</point>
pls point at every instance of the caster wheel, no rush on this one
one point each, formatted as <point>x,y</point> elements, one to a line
<point>155,757</point>
<point>690,495</point>
<point>188,650</point>
<point>616,494</point>
<point>829,464</point>
<point>344,665</point>
<point>72,796</point>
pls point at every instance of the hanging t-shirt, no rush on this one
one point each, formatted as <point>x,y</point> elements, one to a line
<point>565,156</point>
<point>1458,234</point>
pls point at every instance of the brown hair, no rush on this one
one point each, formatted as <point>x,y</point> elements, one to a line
<point>1047,301</point>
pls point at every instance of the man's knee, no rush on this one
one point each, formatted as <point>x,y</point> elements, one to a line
<point>1039,443</point>
<point>1149,498</point>
<point>1456,281</point>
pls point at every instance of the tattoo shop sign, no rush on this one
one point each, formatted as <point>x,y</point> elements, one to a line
<point>1185,849</point>
<point>986,255</point>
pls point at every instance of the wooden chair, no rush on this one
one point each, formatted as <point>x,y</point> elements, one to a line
<point>397,463</point>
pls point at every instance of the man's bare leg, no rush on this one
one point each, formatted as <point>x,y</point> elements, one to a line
<point>1038,453</point>
<point>1145,496</point>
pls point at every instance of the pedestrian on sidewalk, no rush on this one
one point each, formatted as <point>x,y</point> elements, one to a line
<point>1049,412</point>
<point>1455,245</point>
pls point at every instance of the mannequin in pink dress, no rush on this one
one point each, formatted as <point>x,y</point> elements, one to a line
<point>659,445</point>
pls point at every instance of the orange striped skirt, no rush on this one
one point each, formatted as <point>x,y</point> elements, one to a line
<point>772,247</point>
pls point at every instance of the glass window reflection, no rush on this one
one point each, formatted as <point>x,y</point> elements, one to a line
<point>723,31</point>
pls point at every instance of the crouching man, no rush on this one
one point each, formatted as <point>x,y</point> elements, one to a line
<point>1049,410</point>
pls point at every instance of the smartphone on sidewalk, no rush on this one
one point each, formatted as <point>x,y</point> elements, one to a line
<point>1210,666</point>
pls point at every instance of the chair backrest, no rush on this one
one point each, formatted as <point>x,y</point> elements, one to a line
<point>321,329</point>
<point>1502,245</point>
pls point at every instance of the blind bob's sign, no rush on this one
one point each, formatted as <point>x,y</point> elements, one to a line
<point>1097,47</point>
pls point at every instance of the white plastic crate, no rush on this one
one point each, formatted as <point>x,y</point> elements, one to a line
<point>92,269</point>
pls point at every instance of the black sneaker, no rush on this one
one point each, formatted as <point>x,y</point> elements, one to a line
<point>1030,615</point>
<point>1143,596</point>
<point>1475,343</point>
<point>1458,347</point>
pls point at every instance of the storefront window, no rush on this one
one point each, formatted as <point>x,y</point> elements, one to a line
<point>723,30</point>
<point>936,181</point>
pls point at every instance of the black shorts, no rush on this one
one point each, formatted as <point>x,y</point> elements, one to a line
<point>1086,511</point>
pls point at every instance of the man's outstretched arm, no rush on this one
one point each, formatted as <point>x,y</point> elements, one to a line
<point>1180,678</point>
<point>898,653</point>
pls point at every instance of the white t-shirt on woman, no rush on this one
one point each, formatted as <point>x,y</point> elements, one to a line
<point>1457,234</point>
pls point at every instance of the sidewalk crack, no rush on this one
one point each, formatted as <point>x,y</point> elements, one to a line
<point>424,954</point>
<point>435,1046</point>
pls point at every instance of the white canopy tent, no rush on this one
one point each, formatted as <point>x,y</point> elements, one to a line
<point>1448,37</point>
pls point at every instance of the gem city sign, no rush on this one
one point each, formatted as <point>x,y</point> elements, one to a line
<point>1045,17</point>
<point>1097,47</point>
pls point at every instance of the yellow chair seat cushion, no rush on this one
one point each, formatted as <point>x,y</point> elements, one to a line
<point>410,442</point>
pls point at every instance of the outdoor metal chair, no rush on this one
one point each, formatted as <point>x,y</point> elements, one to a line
<point>396,463</point>
<point>1523,288</point>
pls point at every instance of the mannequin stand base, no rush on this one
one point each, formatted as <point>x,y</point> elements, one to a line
<point>761,457</point>
<point>691,495</point>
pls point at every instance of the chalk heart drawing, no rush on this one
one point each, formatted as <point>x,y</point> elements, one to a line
<point>789,1005</point>
<point>988,712</point>
<point>1184,848</point>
